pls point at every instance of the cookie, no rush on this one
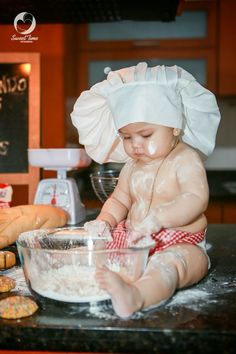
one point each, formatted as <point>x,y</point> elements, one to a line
<point>7,259</point>
<point>17,306</point>
<point>6,284</point>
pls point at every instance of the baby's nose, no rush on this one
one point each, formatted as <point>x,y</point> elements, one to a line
<point>136,142</point>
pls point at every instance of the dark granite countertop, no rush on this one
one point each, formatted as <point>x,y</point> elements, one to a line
<point>200,319</point>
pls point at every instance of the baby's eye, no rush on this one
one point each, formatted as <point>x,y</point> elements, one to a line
<point>126,137</point>
<point>146,135</point>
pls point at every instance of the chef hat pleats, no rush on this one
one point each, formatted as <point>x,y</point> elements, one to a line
<point>92,118</point>
<point>201,115</point>
<point>168,96</point>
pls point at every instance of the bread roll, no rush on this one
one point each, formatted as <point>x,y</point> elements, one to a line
<point>7,259</point>
<point>15,220</point>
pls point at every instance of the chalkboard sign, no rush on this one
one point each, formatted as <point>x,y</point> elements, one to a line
<point>19,118</point>
<point>14,99</point>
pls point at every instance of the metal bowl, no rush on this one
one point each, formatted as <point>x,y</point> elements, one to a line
<point>60,264</point>
<point>104,183</point>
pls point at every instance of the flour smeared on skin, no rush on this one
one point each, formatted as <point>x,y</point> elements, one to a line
<point>169,275</point>
<point>141,182</point>
<point>167,257</point>
<point>152,147</point>
<point>141,188</point>
<point>160,186</point>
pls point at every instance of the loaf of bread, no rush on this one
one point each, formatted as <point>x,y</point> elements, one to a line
<point>15,220</point>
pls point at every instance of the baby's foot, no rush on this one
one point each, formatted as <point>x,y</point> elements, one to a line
<point>125,297</point>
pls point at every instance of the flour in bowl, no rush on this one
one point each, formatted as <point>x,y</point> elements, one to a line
<point>69,283</point>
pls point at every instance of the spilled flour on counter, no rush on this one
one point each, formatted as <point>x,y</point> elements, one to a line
<point>102,311</point>
<point>188,297</point>
<point>106,312</point>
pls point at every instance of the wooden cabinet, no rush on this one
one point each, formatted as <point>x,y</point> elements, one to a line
<point>189,42</point>
<point>214,213</point>
<point>227,48</point>
<point>221,212</point>
<point>118,45</point>
<point>229,213</point>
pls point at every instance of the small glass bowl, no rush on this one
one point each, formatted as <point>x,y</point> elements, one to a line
<point>104,183</point>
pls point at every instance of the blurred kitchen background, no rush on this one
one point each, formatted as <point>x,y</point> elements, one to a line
<point>78,38</point>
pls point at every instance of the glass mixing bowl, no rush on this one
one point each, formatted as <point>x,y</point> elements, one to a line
<point>60,264</point>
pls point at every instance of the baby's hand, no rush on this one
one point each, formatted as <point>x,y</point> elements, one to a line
<point>98,228</point>
<point>148,226</point>
<point>138,239</point>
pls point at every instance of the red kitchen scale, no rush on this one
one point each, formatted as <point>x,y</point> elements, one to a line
<point>61,191</point>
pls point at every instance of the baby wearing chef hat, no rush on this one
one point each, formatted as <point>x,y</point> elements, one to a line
<point>161,123</point>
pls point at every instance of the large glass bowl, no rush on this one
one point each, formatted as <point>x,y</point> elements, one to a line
<point>104,183</point>
<point>60,264</point>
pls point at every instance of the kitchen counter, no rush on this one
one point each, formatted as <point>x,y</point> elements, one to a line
<point>200,319</point>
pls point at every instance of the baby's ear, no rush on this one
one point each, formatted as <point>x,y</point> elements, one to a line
<point>176,131</point>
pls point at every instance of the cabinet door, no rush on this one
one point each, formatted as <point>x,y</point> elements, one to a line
<point>227,48</point>
<point>196,66</point>
<point>199,62</point>
<point>229,213</point>
<point>214,213</point>
<point>194,26</point>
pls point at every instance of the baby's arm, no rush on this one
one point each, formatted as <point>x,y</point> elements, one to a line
<point>191,200</point>
<point>117,206</point>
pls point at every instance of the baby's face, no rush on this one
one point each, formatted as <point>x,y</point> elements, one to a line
<point>147,142</point>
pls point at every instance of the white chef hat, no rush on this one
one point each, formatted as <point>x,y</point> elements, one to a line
<point>168,96</point>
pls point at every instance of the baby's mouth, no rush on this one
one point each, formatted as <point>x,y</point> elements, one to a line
<point>138,155</point>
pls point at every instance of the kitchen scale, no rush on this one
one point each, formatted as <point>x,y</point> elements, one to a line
<point>61,191</point>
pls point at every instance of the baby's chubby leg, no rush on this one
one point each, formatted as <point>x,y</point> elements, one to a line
<point>176,267</point>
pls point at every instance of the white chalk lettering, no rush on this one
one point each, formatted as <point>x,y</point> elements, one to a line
<point>12,84</point>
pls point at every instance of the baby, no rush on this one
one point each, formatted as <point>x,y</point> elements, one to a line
<point>159,120</point>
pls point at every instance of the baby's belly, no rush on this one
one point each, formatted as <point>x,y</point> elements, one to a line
<point>140,211</point>
<point>197,225</point>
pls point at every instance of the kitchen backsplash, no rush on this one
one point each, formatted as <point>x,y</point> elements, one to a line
<point>226,136</point>
<point>222,158</point>
<point>224,155</point>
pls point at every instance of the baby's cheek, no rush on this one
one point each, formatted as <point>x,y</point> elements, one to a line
<point>128,149</point>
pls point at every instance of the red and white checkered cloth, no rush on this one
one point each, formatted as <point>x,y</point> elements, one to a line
<point>5,195</point>
<point>163,239</point>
